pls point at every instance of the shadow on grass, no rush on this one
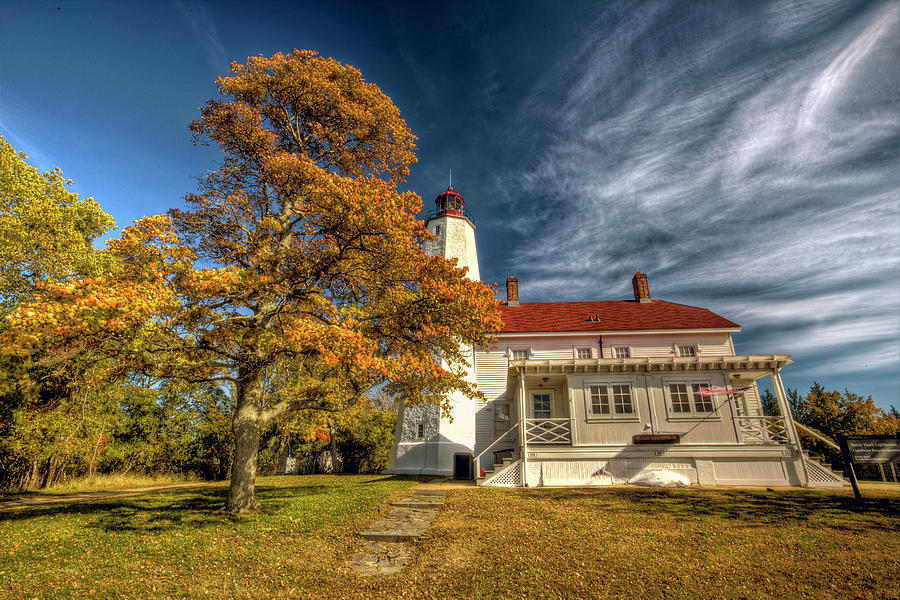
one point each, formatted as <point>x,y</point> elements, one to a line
<point>750,507</point>
<point>197,509</point>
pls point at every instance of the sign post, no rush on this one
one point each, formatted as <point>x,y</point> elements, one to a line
<point>845,452</point>
<point>868,450</point>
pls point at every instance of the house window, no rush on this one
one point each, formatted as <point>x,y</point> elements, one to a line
<point>610,400</point>
<point>622,400</point>
<point>599,400</point>
<point>501,419</point>
<point>687,350</point>
<point>582,352</point>
<point>519,354</point>
<point>685,399</point>
<point>420,433</point>
<point>702,404</point>
<point>541,404</point>
<point>622,352</point>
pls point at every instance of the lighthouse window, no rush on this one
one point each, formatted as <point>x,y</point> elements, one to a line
<point>420,433</point>
<point>437,230</point>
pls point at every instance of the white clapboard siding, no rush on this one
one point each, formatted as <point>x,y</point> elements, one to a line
<point>710,344</point>
<point>563,346</point>
<point>550,347</point>
<point>752,401</point>
<point>490,368</point>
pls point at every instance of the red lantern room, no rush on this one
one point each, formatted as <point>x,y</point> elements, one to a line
<point>450,203</point>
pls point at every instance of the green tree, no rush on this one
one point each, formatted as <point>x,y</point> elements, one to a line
<point>838,414</point>
<point>364,440</point>
<point>834,414</point>
<point>46,236</point>
<point>170,428</point>
<point>46,231</point>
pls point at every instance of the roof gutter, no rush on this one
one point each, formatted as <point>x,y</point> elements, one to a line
<point>619,332</point>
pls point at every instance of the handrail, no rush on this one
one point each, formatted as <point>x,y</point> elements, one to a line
<point>494,443</point>
<point>817,435</point>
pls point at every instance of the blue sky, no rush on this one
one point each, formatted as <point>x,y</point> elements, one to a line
<point>743,154</point>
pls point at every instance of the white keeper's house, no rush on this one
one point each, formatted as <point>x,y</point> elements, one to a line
<point>596,392</point>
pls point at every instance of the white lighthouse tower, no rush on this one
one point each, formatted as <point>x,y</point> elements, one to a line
<point>425,442</point>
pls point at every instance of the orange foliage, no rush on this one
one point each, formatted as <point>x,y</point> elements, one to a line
<point>298,257</point>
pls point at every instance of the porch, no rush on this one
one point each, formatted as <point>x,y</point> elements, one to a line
<point>603,402</point>
<point>604,409</point>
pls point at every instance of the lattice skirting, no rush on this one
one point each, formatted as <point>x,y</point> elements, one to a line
<point>820,476</point>
<point>511,476</point>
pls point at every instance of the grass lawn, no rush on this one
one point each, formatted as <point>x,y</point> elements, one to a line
<point>545,543</point>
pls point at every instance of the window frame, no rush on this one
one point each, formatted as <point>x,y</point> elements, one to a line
<point>679,345</point>
<point>625,348</point>
<point>714,415</point>
<point>590,350</point>
<point>591,417</point>
<point>511,350</point>
<point>498,408</point>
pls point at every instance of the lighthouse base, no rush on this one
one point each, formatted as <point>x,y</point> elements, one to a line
<point>426,458</point>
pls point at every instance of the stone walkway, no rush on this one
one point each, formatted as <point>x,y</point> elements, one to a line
<point>388,546</point>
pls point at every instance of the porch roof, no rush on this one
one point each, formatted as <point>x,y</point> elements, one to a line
<point>753,366</point>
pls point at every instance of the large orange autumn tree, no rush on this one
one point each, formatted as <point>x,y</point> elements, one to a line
<point>298,260</point>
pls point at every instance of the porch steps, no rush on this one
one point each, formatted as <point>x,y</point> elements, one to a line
<point>822,475</point>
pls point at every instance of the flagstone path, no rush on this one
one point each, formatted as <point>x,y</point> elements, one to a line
<point>388,540</point>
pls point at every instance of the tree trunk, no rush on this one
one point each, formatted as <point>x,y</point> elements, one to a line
<point>93,463</point>
<point>241,492</point>
<point>51,472</point>
<point>335,464</point>
<point>32,478</point>
<point>284,454</point>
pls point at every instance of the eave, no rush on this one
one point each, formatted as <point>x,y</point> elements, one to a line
<point>520,334</point>
<point>755,365</point>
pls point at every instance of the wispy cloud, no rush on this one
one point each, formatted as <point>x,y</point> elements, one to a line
<point>748,163</point>
<point>201,21</point>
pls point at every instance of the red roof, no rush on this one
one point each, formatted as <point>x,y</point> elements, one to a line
<point>618,315</point>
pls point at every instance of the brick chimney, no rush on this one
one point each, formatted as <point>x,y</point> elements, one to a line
<point>512,291</point>
<point>641,287</point>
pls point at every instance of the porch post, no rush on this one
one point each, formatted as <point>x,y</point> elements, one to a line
<point>785,408</point>
<point>523,435</point>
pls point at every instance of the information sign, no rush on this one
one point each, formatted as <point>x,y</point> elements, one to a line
<point>874,449</point>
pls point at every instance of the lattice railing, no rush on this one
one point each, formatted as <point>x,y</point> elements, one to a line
<point>548,431</point>
<point>763,430</point>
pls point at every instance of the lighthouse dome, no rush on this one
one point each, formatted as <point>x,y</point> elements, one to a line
<point>450,202</point>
